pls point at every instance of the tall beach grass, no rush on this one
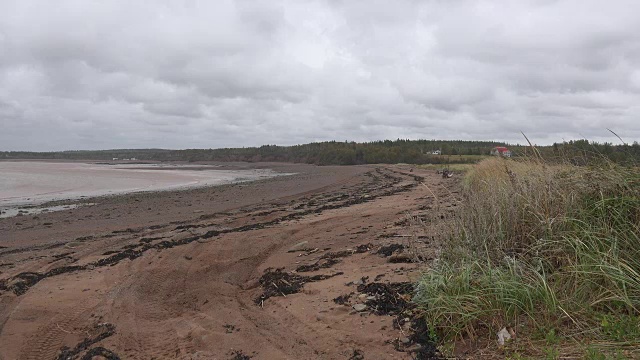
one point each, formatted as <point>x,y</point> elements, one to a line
<point>544,249</point>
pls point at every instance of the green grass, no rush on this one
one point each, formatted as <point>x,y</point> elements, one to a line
<point>550,250</point>
<point>453,167</point>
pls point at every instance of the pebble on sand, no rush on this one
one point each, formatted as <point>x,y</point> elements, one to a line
<point>359,307</point>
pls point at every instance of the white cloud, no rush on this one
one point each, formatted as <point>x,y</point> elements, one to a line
<point>185,74</point>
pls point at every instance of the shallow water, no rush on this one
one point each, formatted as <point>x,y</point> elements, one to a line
<point>20,211</point>
<point>31,183</point>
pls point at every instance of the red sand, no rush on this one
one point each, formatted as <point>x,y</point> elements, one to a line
<point>195,300</point>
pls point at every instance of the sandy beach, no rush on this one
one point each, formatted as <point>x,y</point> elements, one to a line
<point>185,274</point>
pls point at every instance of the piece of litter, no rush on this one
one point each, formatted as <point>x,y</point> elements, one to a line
<point>503,336</point>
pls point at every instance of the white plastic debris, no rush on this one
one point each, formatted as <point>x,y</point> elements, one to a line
<point>503,336</point>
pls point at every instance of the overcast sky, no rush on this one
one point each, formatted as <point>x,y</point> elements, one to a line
<point>88,74</point>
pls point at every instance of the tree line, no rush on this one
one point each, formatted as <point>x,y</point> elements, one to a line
<point>351,153</point>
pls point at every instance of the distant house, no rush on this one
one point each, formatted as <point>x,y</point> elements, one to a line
<point>501,151</point>
<point>114,159</point>
<point>436,152</point>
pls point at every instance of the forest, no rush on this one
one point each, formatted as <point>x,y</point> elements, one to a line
<point>353,153</point>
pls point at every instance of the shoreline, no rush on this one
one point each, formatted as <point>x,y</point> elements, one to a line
<point>30,203</point>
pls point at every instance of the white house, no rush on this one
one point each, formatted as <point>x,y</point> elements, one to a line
<point>501,151</point>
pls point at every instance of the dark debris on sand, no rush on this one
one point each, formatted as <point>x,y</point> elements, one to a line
<point>239,355</point>
<point>388,250</point>
<point>357,355</point>
<point>21,283</point>
<point>103,331</point>
<point>331,258</point>
<point>395,299</point>
<point>343,299</point>
<point>320,264</point>
<point>102,352</point>
<point>390,298</point>
<point>276,282</point>
<point>406,259</point>
<point>420,345</point>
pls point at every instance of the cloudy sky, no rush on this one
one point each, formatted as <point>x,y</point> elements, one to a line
<point>92,74</point>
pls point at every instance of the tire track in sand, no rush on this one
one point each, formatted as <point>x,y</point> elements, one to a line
<point>46,342</point>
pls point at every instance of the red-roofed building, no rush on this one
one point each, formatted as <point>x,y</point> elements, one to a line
<point>501,151</point>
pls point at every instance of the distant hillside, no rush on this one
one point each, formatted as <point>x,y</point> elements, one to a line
<point>349,153</point>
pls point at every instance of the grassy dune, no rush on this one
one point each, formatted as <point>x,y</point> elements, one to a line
<point>551,251</point>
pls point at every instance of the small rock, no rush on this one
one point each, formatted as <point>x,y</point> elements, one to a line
<point>371,297</point>
<point>298,246</point>
<point>405,340</point>
<point>362,296</point>
<point>359,307</point>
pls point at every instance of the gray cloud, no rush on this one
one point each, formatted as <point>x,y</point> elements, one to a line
<point>182,74</point>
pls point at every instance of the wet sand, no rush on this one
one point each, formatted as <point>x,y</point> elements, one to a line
<point>32,182</point>
<point>181,274</point>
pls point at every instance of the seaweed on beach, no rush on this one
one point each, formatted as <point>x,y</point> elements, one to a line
<point>419,343</point>
<point>388,250</point>
<point>239,355</point>
<point>405,259</point>
<point>320,264</point>
<point>344,253</point>
<point>357,355</point>
<point>25,280</point>
<point>342,299</point>
<point>276,282</point>
<point>363,248</point>
<point>388,298</point>
<point>395,299</point>
<point>147,240</point>
<point>421,335</point>
<point>331,258</point>
<point>104,331</point>
<point>128,231</point>
<point>21,283</point>
<point>100,351</point>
